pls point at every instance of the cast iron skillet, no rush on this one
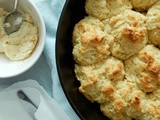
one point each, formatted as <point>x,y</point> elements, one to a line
<point>72,13</point>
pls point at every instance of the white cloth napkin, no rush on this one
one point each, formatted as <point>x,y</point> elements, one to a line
<point>15,108</point>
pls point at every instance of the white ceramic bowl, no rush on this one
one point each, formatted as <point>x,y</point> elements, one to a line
<point>10,68</point>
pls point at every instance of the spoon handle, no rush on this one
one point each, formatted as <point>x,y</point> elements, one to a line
<point>15,4</point>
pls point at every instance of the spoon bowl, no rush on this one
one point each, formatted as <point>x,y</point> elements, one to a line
<point>13,20</point>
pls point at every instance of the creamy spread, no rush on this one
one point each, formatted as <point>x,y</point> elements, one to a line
<point>20,44</point>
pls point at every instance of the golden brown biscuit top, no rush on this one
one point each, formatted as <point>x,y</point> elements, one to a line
<point>103,9</point>
<point>142,5</point>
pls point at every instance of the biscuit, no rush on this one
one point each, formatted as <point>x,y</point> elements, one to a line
<point>90,44</point>
<point>144,68</point>
<point>129,32</point>
<point>19,45</point>
<point>153,24</point>
<point>103,9</point>
<point>123,106</point>
<point>96,79</point>
<point>142,5</point>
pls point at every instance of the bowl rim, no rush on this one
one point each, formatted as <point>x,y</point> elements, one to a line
<point>43,36</point>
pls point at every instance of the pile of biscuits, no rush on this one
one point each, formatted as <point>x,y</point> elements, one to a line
<point>117,55</point>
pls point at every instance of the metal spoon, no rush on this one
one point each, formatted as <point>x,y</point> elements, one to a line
<point>13,20</point>
<point>21,95</point>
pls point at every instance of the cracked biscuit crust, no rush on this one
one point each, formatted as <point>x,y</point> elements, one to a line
<point>144,68</point>
<point>96,80</point>
<point>129,32</point>
<point>90,43</point>
<point>142,5</point>
<point>103,9</point>
<point>153,24</point>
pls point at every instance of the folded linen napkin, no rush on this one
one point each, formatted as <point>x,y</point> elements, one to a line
<point>15,108</point>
